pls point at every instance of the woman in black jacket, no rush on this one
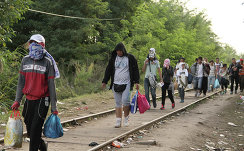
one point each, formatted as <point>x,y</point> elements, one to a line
<point>123,71</point>
<point>167,74</point>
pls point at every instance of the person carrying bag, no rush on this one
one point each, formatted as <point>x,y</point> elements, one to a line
<point>150,67</point>
<point>167,74</point>
<point>123,71</point>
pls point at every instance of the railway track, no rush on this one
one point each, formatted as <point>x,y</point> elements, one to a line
<point>101,129</point>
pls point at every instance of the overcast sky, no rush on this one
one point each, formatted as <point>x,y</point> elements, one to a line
<point>227,17</point>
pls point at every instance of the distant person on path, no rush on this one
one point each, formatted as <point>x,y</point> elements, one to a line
<point>234,76</point>
<point>197,71</point>
<point>218,65</point>
<point>182,75</point>
<point>212,75</point>
<point>178,66</point>
<point>151,66</point>
<point>123,71</point>
<point>36,81</point>
<point>205,77</point>
<point>224,82</point>
<point>241,74</point>
<point>167,74</point>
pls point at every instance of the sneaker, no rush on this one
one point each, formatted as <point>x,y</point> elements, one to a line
<point>118,123</point>
<point>162,108</point>
<point>198,94</point>
<point>204,95</point>
<point>231,92</point>
<point>173,105</point>
<point>43,145</point>
<point>181,101</point>
<point>126,121</point>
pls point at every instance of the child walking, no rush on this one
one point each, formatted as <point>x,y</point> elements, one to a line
<point>182,75</point>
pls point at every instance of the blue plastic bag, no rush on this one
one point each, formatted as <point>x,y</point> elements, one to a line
<point>53,127</point>
<point>133,104</point>
<point>216,84</point>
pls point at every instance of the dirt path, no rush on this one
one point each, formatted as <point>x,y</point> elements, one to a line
<point>203,128</point>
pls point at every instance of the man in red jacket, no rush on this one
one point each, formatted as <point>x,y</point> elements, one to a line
<point>36,82</point>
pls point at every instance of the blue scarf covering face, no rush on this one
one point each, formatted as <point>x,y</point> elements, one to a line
<point>36,51</point>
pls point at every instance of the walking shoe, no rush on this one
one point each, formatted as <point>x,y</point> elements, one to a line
<point>154,104</point>
<point>173,105</point>
<point>43,145</point>
<point>181,101</point>
<point>162,108</point>
<point>118,123</point>
<point>198,94</point>
<point>126,121</point>
<point>231,92</point>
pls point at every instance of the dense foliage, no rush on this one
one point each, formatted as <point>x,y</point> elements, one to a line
<point>82,47</point>
<point>10,12</point>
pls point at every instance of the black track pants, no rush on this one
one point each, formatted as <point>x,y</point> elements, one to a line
<point>34,113</point>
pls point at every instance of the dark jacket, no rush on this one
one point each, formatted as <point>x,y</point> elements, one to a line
<point>194,69</point>
<point>232,72</point>
<point>167,74</point>
<point>133,67</point>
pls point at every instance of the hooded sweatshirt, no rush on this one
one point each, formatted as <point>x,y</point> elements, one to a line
<point>36,80</point>
<point>133,67</point>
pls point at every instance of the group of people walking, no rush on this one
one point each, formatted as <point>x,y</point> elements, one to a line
<point>123,71</point>
<point>38,71</point>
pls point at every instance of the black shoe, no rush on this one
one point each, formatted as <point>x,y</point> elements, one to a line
<point>43,145</point>
<point>154,104</point>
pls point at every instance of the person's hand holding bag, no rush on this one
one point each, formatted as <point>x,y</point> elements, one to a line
<point>15,105</point>
<point>55,112</point>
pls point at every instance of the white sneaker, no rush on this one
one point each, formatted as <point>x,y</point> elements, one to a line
<point>126,121</point>
<point>118,123</point>
<point>198,94</point>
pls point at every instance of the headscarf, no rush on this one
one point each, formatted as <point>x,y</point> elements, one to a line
<point>152,53</point>
<point>166,63</point>
<point>37,52</point>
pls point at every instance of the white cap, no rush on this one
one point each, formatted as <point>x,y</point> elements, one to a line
<point>152,50</point>
<point>38,38</point>
<point>152,53</point>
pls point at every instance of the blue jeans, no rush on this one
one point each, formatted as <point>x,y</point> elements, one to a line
<point>153,91</point>
<point>197,83</point>
<point>211,80</point>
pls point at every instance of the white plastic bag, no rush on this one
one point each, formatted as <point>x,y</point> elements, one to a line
<point>14,131</point>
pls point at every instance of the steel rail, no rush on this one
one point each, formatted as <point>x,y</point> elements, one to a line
<point>78,120</point>
<point>149,124</point>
